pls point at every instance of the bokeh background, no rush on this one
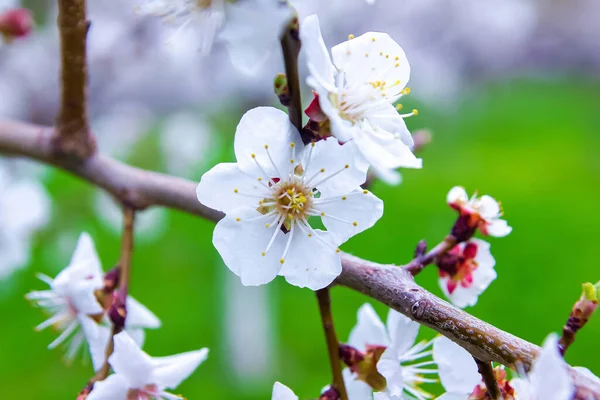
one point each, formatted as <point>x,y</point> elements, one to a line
<point>509,91</point>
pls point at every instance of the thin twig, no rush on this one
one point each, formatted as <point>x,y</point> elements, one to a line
<point>420,262</point>
<point>580,314</point>
<point>388,284</point>
<point>73,137</point>
<point>290,45</point>
<point>489,378</point>
<point>118,310</point>
<point>333,346</point>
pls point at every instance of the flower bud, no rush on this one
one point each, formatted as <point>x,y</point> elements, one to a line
<point>330,394</point>
<point>282,90</point>
<point>118,310</point>
<point>15,23</point>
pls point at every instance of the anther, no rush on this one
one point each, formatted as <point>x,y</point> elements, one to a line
<point>399,107</point>
<point>235,190</point>
<point>355,223</point>
<point>281,260</point>
<point>344,197</point>
<point>253,155</point>
<point>322,169</point>
<point>415,112</point>
<point>346,166</point>
<point>263,254</point>
<point>238,219</point>
<point>291,161</point>
<point>365,191</point>
<point>266,146</point>
<point>373,39</point>
<point>387,56</point>
<point>267,225</point>
<point>366,54</point>
<point>292,144</point>
<point>350,36</point>
<point>337,250</point>
<point>322,214</point>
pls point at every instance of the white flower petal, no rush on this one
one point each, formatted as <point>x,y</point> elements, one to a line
<point>317,56</point>
<point>217,188</point>
<point>386,61</point>
<point>403,332</point>
<point>170,371</point>
<point>549,375</point>
<point>385,117</point>
<point>137,334</point>
<point>252,32</point>
<point>84,265</point>
<point>357,390</point>
<point>457,194</point>
<point>139,316</point>
<point>97,337</point>
<point>311,263</point>
<point>488,207</point>
<point>369,329</point>
<point>331,158</point>
<point>129,361</point>
<point>241,243</point>
<point>389,366</point>
<point>282,392</point>
<point>456,367</point>
<point>115,387</point>
<point>358,207</point>
<point>453,396</point>
<point>81,295</point>
<point>266,126</point>
<point>498,228</point>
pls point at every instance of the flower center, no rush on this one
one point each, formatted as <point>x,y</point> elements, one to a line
<point>292,199</point>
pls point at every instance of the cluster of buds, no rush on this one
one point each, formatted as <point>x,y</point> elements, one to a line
<point>15,23</point>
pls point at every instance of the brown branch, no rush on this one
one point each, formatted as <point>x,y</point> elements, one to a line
<point>290,45</point>
<point>388,284</point>
<point>73,137</point>
<point>489,378</point>
<point>421,261</point>
<point>580,314</point>
<point>333,346</point>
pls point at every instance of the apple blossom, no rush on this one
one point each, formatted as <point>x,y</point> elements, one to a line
<point>460,376</point>
<point>24,208</point>
<point>72,296</point>
<point>396,364</point>
<point>466,271</point>
<point>282,392</point>
<point>477,212</point>
<point>273,190</point>
<point>250,28</point>
<point>549,376</point>
<point>357,91</point>
<point>139,376</point>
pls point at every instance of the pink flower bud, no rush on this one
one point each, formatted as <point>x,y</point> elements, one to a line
<point>16,23</point>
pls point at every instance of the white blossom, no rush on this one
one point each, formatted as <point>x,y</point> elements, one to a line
<point>24,208</point>
<point>457,369</point>
<point>357,91</point>
<point>71,298</point>
<point>282,392</point>
<point>273,190</point>
<point>204,17</point>
<point>484,211</point>
<point>139,376</point>
<point>468,273</point>
<point>549,376</point>
<point>398,362</point>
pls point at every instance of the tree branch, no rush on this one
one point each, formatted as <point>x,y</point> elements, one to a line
<point>72,136</point>
<point>388,284</point>
<point>333,346</point>
<point>489,378</point>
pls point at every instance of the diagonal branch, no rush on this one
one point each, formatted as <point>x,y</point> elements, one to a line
<point>489,378</point>
<point>388,284</point>
<point>73,135</point>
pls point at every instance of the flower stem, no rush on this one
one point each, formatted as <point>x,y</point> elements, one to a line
<point>421,261</point>
<point>489,378</point>
<point>333,346</point>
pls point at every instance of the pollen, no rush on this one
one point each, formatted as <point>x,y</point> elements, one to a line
<point>415,111</point>
<point>266,146</point>
<point>253,155</point>
<point>322,214</point>
<point>235,190</point>
<point>337,250</point>
<point>405,91</point>
<point>292,145</point>
<point>397,58</point>
<point>366,54</point>
<point>291,161</point>
<point>350,36</point>
<point>381,53</point>
<point>263,254</point>
<point>312,144</point>
<point>397,65</point>
<point>355,223</point>
<point>387,56</point>
<point>365,191</point>
<point>281,260</point>
<point>399,107</point>
<point>344,197</point>
<point>259,179</point>
<point>267,225</point>
<point>310,235</point>
<point>322,169</point>
<point>373,39</point>
<point>238,219</point>
<point>346,166</point>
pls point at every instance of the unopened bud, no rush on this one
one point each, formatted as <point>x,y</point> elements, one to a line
<point>111,279</point>
<point>350,356</point>
<point>464,227</point>
<point>330,394</point>
<point>421,249</point>
<point>15,23</point>
<point>282,90</point>
<point>118,310</point>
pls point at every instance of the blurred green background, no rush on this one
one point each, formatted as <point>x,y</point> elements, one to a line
<point>534,145</point>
